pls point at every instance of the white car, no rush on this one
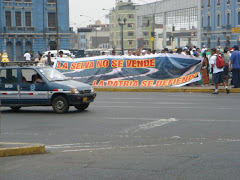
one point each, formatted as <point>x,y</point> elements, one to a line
<point>66,54</point>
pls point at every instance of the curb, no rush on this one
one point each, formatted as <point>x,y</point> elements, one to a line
<point>26,149</point>
<point>192,90</point>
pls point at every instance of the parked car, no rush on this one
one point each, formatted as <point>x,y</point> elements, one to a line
<point>66,54</point>
<point>23,84</point>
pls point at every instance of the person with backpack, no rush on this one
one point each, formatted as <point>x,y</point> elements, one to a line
<point>235,66</point>
<point>217,63</point>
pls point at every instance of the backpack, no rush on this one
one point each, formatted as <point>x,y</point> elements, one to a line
<point>220,62</point>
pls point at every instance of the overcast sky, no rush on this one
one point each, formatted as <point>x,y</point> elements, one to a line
<point>92,8</point>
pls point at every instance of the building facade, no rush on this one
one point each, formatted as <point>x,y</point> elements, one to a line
<point>158,22</point>
<point>123,10</point>
<point>94,36</point>
<point>31,25</point>
<point>220,23</point>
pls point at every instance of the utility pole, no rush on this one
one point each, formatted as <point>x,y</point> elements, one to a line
<point>57,27</point>
<point>122,24</point>
<point>172,38</point>
<point>44,33</point>
<point>153,32</point>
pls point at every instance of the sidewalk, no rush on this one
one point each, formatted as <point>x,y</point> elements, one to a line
<point>17,149</point>
<point>190,89</point>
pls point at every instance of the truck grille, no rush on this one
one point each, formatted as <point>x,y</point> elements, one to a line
<point>85,92</point>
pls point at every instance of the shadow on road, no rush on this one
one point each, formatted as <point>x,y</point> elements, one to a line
<point>34,111</point>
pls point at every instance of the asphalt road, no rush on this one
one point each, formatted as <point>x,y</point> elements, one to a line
<point>138,136</point>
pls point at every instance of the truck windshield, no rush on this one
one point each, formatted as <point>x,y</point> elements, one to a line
<point>53,74</point>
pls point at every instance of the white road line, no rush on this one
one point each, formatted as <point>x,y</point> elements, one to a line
<point>155,119</point>
<point>107,146</point>
<point>149,125</point>
<point>84,145</point>
<point>111,148</point>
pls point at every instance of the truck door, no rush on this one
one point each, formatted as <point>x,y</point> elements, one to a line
<point>33,89</point>
<point>9,86</point>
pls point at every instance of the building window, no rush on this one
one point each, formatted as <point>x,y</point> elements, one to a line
<point>228,19</point>
<point>228,1</point>
<point>18,18</point>
<point>52,1</point>
<point>145,43</point>
<point>203,3</point>
<point>218,2</point>
<point>130,33</point>
<point>51,19</point>
<point>8,18</point>
<point>209,21</point>
<point>82,36</point>
<point>130,43</point>
<point>130,16</point>
<point>209,3</point>
<point>145,34</point>
<point>202,21</point>
<point>218,20</point>
<point>18,0</point>
<point>28,19</point>
<point>239,18</point>
<point>27,0</point>
<point>130,25</point>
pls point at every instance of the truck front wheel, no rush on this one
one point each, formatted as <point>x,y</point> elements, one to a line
<point>81,107</point>
<point>15,108</point>
<point>60,104</point>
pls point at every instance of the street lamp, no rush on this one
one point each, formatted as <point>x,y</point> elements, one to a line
<point>122,23</point>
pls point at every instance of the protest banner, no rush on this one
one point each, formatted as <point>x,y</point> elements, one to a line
<point>161,70</point>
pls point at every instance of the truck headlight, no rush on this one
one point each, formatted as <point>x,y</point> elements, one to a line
<point>92,90</point>
<point>74,91</point>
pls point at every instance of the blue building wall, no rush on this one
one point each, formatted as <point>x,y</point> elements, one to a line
<point>38,37</point>
<point>220,34</point>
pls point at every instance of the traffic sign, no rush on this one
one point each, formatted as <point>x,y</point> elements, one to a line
<point>236,30</point>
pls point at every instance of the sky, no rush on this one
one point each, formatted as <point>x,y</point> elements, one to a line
<point>93,9</point>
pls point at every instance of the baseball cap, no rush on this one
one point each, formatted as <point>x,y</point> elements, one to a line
<point>195,54</point>
<point>194,49</point>
<point>236,47</point>
<point>230,49</point>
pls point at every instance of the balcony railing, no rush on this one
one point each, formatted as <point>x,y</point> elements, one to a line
<point>51,29</point>
<point>228,27</point>
<point>19,29</point>
<point>207,28</point>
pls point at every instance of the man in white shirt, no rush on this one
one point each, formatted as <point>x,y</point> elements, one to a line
<point>204,49</point>
<point>218,76</point>
<point>184,52</point>
<point>130,53</point>
<point>27,56</point>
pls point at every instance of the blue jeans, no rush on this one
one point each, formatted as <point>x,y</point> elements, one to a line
<point>236,77</point>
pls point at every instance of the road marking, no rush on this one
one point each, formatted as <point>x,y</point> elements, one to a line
<point>76,145</point>
<point>149,125</point>
<point>155,119</point>
<point>98,146</point>
<point>111,148</point>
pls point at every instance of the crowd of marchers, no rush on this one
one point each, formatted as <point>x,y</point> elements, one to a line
<point>210,69</point>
